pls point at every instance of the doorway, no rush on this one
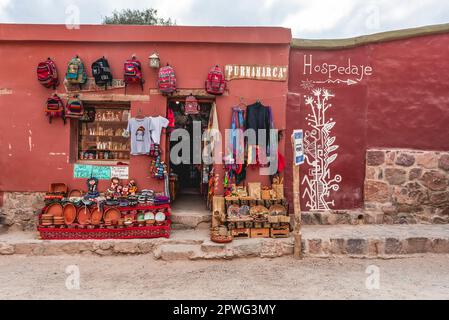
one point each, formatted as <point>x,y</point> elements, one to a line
<point>188,181</point>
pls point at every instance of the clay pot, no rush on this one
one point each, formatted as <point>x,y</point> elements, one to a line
<point>112,216</point>
<point>69,214</point>
<point>84,216</point>
<point>96,217</point>
<point>55,209</point>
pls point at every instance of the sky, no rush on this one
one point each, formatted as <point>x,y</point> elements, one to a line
<point>308,19</point>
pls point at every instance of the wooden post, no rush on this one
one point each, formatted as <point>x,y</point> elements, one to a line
<point>297,253</point>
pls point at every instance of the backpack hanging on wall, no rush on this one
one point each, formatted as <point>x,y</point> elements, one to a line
<point>133,72</point>
<point>54,108</point>
<point>47,74</point>
<point>76,72</point>
<point>191,106</point>
<point>102,73</point>
<point>167,80</point>
<point>74,108</point>
<point>215,83</point>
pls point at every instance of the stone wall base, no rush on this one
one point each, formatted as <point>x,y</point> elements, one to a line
<point>20,210</point>
<point>408,186</point>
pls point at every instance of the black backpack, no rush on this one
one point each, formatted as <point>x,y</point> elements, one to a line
<point>102,73</point>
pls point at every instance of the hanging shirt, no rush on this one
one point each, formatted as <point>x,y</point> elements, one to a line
<point>139,130</point>
<point>156,125</point>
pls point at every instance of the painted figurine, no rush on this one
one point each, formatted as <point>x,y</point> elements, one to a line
<point>125,191</point>
<point>112,192</point>
<point>92,189</point>
<point>132,186</point>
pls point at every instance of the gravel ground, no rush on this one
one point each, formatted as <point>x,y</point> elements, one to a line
<point>141,277</point>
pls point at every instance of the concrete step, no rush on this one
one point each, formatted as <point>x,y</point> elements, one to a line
<point>189,212</point>
<point>185,221</point>
<point>370,241</point>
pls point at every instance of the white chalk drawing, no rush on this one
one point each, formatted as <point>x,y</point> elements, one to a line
<point>320,150</point>
<point>307,84</point>
<point>348,73</point>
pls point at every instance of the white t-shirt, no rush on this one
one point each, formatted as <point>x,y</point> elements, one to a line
<point>156,125</point>
<point>139,130</point>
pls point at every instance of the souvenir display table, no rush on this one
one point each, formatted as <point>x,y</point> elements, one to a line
<point>121,213</point>
<point>110,227</point>
<point>251,213</point>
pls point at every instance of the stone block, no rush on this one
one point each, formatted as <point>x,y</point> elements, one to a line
<point>405,160</point>
<point>395,176</point>
<point>428,160</point>
<point>439,220</point>
<point>415,173</point>
<point>390,157</point>
<point>443,163</point>
<point>375,158</point>
<point>212,247</point>
<point>337,246</point>
<point>357,246</point>
<point>178,252</point>
<point>412,194</point>
<point>6,249</point>
<point>371,173</point>
<point>439,199</point>
<point>393,246</point>
<point>314,246</point>
<point>126,248</point>
<point>377,191</point>
<point>418,245</point>
<point>435,180</point>
<point>440,246</point>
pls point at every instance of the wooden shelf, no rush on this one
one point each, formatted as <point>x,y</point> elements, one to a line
<point>108,150</point>
<point>111,122</point>
<point>102,136</point>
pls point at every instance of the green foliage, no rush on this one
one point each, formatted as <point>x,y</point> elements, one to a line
<point>139,17</point>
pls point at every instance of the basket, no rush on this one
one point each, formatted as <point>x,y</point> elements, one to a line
<point>221,239</point>
<point>75,193</point>
<point>59,188</point>
<point>284,219</point>
<point>266,194</point>
<point>254,190</point>
<point>278,209</point>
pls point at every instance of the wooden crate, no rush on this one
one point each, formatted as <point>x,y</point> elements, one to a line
<point>240,225</point>
<point>280,232</point>
<point>241,233</point>
<point>260,233</point>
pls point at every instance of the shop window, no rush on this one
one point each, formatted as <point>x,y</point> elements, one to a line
<point>100,137</point>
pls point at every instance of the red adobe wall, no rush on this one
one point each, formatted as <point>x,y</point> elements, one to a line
<point>403,104</point>
<point>34,153</point>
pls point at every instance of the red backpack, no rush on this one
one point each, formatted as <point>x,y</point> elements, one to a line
<point>133,72</point>
<point>54,108</point>
<point>191,106</point>
<point>47,74</point>
<point>167,80</point>
<point>215,83</point>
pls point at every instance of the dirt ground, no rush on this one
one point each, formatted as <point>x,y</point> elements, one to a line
<point>141,277</point>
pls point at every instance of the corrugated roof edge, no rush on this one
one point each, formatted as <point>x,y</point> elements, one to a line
<point>133,33</point>
<point>329,44</point>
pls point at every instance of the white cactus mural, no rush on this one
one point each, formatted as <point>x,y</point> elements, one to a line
<point>320,150</point>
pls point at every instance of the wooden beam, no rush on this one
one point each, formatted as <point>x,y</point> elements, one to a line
<point>297,253</point>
